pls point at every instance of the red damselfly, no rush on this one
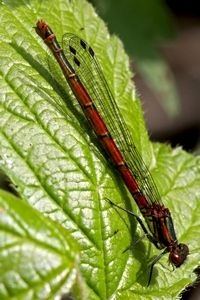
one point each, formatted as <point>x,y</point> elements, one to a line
<point>90,88</point>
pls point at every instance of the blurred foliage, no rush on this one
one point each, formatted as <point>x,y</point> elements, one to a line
<point>143,26</point>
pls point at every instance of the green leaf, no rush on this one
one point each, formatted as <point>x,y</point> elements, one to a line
<point>49,152</point>
<point>38,257</point>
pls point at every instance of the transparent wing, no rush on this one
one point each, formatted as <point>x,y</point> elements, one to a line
<point>82,58</point>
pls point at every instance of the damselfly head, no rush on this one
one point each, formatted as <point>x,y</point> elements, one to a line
<point>178,254</point>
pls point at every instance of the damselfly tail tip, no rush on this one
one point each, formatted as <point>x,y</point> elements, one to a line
<point>41,28</point>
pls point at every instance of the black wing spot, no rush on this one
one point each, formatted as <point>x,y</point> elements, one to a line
<point>91,51</point>
<point>72,50</point>
<point>77,62</point>
<point>83,44</point>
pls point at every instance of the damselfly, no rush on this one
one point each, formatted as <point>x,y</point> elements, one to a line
<point>86,80</point>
